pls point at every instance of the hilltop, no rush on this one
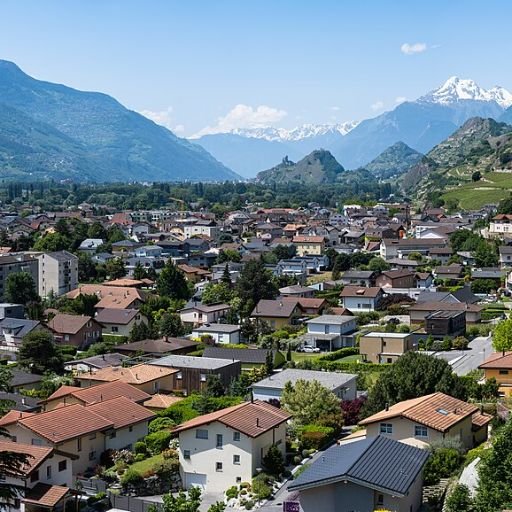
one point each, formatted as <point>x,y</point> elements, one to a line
<point>394,161</point>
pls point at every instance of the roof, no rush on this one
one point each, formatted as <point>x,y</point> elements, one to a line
<point>438,411</point>
<point>378,462</point>
<point>68,324</point>
<point>308,302</point>
<point>250,418</point>
<point>159,401</point>
<point>138,374</point>
<point>358,274</point>
<point>498,360</point>
<point>160,346</point>
<point>116,316</point>
<point>449,306</point>
<point>444,314</point>
<point>22,378</point>
<point>275,308</point>
<point>35,454</point>
<point>120,297</point>
<point>331,319</point>
<point>304,239</point>
<point>121,411</point>
<point>330,380</point>
<point>360,291</point>
<point>45,495</point>
<point>244,355</point>
<point>396,274</point>
<point>13,416</point>
<point>224,328</point>
<point>19,402</point>
<point>101,361</point>
<point>203,308</point>
<point>21,326</point>
<point>65,423</point>
<point>203,363</point>
<point>296,288</point>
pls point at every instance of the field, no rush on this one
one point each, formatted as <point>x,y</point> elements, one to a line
<point>492,188</point>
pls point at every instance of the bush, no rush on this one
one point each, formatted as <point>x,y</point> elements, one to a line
<point>261,489</point>
<point>232,492</point>
<point>443,463</point>
<point>315,436</point>
<point>460,343</point>
<point>249,504</point>
<point>131,477</point>
<point>139,457</point>
<point>140,447</point>
<point>273,461</point>
<point>340,354</point>
<point>160,424</point>
<point>158,441</point>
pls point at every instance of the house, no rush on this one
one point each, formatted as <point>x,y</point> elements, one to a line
<point>501,226</point>
<point>359,277</point>
<point>195,313</point>
<point>119,322</point>
<point>386,347</point>
<point>69,395</point>
<point>43,482</point>
<point>93,363</point>
<point>363,475</point>
<point>58,273</point>
<point>148,251</point>
<point>249,357</point>
<point>195,274</point>
<point>119,297</point>
<point>77,330</point>
<point>499,366</point>
<point>24,380</point>
<point>85,432</point>
<point>220,333</point>
<point>429,419</point>
<point>343,385</point>
<point>419,311</point>
<point>225,448</point>
<point>277,313</point>
<point>12,332</point>
<point>193,372</point>
<point>157,348</point>
<point>446,323</point>
<point>392,248</point>
<point>204,227</point>
<point>297,291</point>
<point>361,299</point>
<point>424,280</point>
<point>91,245</point>
<point>9,310</point>
<point>146,377</point>
<point>331,332</point>
<point>158,402</point>
<point>19,402</point>
<point>453,271</point>
<point>309,306</point>
<point>505,256</point>
<point>396,279</point>
<point>309,244</point>
<point>298,269</point>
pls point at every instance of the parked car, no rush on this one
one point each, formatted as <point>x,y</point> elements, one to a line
<point>311,349</point>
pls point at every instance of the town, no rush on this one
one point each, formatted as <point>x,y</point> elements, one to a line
<point>257,358</point>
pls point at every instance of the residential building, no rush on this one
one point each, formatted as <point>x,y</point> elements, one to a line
<point>192,372</point>
<point>361,299</point>
<point>505,255</point>
<point>309,306</point>
<point>249,357</point>
<point>305,244</point>
<point>119,322</point>
<point>453,271</point>
<point>157,348</point>
<point>392,248</point>
<point>430,419</point>
<point>277,313</point>
<point>204,227</point>
<point>501,226</point>
<point>499,366</point>
<point>220,333</point>
<point>19,402</point>
<point>196,313</point>
<point>343,385</point>
<point>386,347</point>
<point>13,263</point>
<point>331,332</point>
<point>226,447</point>
<point>358,277</point>
<point>93,363</point>
<point>364,475</point>
<point>119,297</point>
<point>91,245</point>
<point>297,291</point>
<point>77,330</point>
<point>58,273</point>
<point>9,310</point>
<point>446,323</point>
<point>396,279</point>
<point>12,332</point>
<point>419,311</point>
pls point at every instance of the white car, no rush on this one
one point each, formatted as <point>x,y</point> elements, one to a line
<point>311,349</point>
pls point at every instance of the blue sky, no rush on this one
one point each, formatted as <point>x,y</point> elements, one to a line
<point>197,64</point>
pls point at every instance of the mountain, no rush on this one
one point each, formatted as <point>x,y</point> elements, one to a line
<point>53,131</point>
<point>479,145</point>
<point>317,168</point>
<point>394,161</point>
<point>419,124</point>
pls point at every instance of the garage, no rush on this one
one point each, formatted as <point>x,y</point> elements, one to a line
<point>195,480</point>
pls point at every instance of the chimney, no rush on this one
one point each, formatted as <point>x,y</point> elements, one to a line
<point>23,401</point>
<point>387,406</point>
<point>257,422</point>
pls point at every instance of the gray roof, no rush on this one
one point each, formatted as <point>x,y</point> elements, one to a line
<point>116,316</point>
<point>23,378</point>
<point>378,462</point>
<point>20,402</point>
<point>330,380</point>
<point>227,328</point>
<point>101,361</point>
<point>331,319</point>
<point>244,355</point>
<point>203,363</point>
<point>358,274</point>
<point>21,326</point>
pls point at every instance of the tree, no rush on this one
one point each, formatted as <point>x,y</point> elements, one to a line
<point>476,176</point>
<point>116,268</point>
<point>378,264</point>
<point>139,272</point>
<point>459,500</point>
<point>341,263</point>
<point>273,461</point>
<point>215,293</point>
<point>40,354</point>
<point>289,353</point>
<point>269,362</point>
<point>308,401</point>
<point>229,255</point>
<point>214,386</point>
<point>86,268</point>
<point>413,375</point>
<point>226,276</point>
<point>170,324</point>
<point>171,282</point>
<point>20,288</point>
<point>255,283</point>
<point>189,501</point>
<point>502,336</point>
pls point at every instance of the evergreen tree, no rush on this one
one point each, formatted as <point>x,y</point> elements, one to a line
<point>139,272</point>
<point>170,324</point>
<point>40,354</point>
<point>171,282</point>
<point>20,288</point>
<point>226,277</point>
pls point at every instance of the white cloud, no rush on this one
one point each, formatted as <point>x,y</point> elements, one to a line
<point>244,116</point>
<point>411,49</point>
<point>400,99</point>
<point>378,105</point>
<point>164,118</point>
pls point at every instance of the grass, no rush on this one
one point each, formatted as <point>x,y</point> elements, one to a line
<point>147,464</point>
<point>319,278</point>
<point>303,356</point>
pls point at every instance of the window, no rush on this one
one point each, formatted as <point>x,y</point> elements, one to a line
<point>186,454</point>
<point>179,376</point>
<point>201,433</point>
<point>218,466</point>
<point>380,499</point>
<point>66,337</point>
<point>79,445</point>
<point>130,428</point>
<point>219,440</point>
<point>34,477</point>
<point>503,372</point>
<point>113,435</point>
<point>236,436</point>
<point>115,328</point>
<point>236,459</point>
<point>63,465</point>
<point>92,455</point>
<point>48,472</point>
<point>203,377</point>
<point>420,431</point>
<point>238,479</point>
<point>386,428</point>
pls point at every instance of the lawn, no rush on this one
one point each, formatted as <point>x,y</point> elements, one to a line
<point>303,356</point>
<point>147,464</point>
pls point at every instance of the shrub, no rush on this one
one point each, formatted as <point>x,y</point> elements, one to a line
<point>245,485</point>
<point>131,477</point>
<point>261,489</point>
<point>249,504</point>
<point>460,343</point>
<point>170,454</point>
<point>140,447</point>
<point>160,424</point>
<point>442,464</point>
<point>158,441</point>
<point>273,461</point>
<point>315,436</point>
<point>297,460</point>
<point>340,354</point>
<point>139,457</point>
<point>232,492</point>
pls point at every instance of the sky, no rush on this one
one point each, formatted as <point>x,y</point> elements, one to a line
<point>213,65</point>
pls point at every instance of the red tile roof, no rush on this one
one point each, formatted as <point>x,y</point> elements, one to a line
<point>13,416</point>
<point>135,375</point>
<point>35,454</point>
<point>360,291</point>
<point>121,411</point>
<point>45,495</point>
<point>498,360</point>
<point>68,324</point>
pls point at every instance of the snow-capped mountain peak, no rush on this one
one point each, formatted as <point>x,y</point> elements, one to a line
<point>457,89</point>
<point>302,132</point>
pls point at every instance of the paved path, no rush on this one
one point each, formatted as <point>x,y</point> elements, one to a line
<point>469,476</point>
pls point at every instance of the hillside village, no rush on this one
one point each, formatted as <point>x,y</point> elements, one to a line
<point>259,356</point>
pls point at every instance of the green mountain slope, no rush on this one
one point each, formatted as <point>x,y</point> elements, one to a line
<point>105,141</point>
<point>394,161</point>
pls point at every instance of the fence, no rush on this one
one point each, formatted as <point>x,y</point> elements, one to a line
<point>132,504</point>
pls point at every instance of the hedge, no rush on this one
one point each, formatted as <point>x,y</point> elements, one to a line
<point>339,354</point>
<point>315,436</point>
<point>158,441</point>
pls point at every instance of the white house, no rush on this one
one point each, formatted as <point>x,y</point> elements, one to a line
<point>224,448</point>
<point>199,314</point>
<point>343,385</point>
<point>221,333</point>
<point>361,299</point>
<point>328,332</point>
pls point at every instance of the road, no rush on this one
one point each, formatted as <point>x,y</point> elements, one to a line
<point>463,361</point>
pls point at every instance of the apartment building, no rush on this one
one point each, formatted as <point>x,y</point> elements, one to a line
<point>58,273</point>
